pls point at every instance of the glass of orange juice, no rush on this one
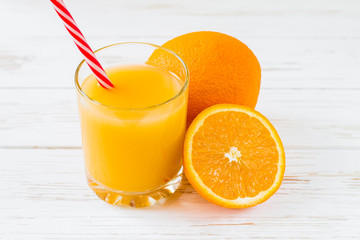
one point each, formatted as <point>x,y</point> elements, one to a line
<point>132,135</point>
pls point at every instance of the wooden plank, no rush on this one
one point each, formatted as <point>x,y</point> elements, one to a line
<point>304,118</point>
<point>286,62</point>
<point>45,196</point>
<point>322,18</point>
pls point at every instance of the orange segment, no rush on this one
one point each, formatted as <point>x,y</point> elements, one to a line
<point>233,156</point>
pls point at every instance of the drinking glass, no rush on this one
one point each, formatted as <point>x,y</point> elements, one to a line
<point>133,157</point>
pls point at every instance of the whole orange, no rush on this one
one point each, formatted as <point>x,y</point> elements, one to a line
<point>222,69</point>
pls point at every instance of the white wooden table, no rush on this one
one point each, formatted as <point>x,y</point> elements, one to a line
<point>310,57</point>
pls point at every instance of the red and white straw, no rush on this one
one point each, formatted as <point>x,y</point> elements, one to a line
<point>81,43</point>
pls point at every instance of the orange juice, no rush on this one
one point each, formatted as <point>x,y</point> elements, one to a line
<point>133,134</point>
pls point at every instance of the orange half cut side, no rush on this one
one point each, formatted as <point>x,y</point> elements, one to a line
<point>233,156</point>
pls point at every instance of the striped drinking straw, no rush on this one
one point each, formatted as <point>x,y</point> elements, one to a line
<point>81,43</point>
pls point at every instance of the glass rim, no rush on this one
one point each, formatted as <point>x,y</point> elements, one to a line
<point>178,94</point>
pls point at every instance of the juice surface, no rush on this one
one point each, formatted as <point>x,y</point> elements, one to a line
<point>133,150</point>
<point>136,86</point>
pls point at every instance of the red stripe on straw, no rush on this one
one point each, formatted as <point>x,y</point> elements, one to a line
<point>82,44</point>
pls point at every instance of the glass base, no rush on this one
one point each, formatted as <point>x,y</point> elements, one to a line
<point>149,198</point>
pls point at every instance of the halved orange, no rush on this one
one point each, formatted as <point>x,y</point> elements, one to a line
<point>233,156</point>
